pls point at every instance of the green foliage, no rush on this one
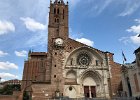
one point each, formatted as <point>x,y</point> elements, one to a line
<point>26,96</point>
<point>8,89</point>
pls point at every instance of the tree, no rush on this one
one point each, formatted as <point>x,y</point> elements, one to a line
<point>8,89</point>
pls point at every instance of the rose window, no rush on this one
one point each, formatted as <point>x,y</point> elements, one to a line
<point>83,59</point>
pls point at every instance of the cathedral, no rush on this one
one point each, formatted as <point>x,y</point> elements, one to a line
<point>69,68</point>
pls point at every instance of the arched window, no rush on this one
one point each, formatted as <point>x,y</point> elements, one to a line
<point>97,62</point>
<point>57,20</point>
<point>63,13</point>
<point>58,11</point>
<point>71,61</point>
<point>57,30</point>
<point>54,10</point>
<point>83,59</point>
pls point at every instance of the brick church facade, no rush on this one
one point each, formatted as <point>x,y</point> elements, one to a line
<point>69,68</point>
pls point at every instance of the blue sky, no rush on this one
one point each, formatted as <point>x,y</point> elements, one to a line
<point>108,25</point>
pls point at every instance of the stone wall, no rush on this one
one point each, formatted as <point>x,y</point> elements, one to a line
<point>7,97</point>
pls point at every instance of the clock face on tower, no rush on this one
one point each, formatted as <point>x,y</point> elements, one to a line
<point>59,42</point>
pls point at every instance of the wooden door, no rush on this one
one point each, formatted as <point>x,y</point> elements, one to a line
<point>86,91</point>
<point>93,91</point>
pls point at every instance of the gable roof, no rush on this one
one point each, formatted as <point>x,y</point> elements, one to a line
<point>77,42</point>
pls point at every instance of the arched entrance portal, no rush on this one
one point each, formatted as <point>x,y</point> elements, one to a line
<point>91,83</point>
<point>89,87</point>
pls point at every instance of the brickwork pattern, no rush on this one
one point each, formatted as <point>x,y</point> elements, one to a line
<point>45,70</point>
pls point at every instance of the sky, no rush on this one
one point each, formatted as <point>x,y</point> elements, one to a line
<point>108,25</point>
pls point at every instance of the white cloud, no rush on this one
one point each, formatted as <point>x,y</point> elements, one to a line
<point>134,29</point>
<point>33,25</point>
<point>78,37</point>
<point>104,6</point>
<point>125,40</point>
<point>7,65</point>
<point>39,39</point>
<point>135,39</point>
<point>137,20</point>
<point>6,27</point>
<point>7,75</point>
<point>85,41</point>
<point>131,7</point>
<point>131,39</point>
<point>96,6</point>
<point>3,53</point>
<point>75,35</point>
<point>74,2</point>
<point>127,7</point>
<point>2,80</point>
<point>22,53</point>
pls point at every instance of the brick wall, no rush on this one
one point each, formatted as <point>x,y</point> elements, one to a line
<point>115,78</point>
<point>34,70</point>
<point>33,67</point>
<point>115,75</point>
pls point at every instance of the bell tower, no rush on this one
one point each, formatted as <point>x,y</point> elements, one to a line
<point>58,22</point>
<point>57,37</point>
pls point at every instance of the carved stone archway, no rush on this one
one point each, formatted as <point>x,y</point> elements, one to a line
<point>91,83</point>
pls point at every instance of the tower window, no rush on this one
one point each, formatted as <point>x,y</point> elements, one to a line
<point>71,62</point>
<point>63,13</point>
<point>57,30</point>
<point>54,76</point>
<point>57,20</point>
<point>97,62</point>
<point>54,10</point>
<point>57,11</point>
